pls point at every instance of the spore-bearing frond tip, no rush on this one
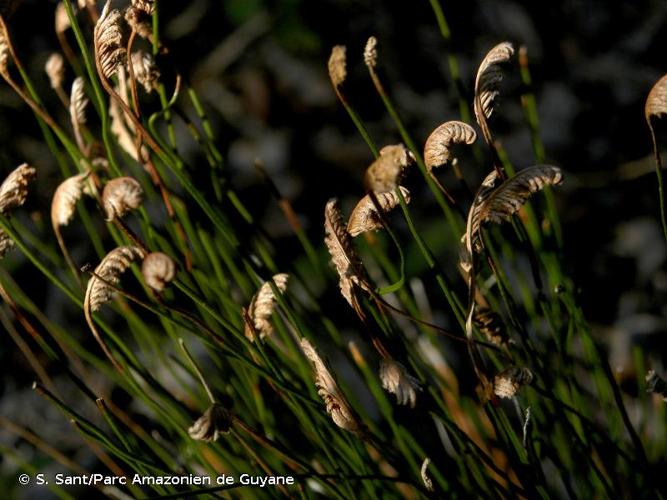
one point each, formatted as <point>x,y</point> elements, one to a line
<point>487,85</point>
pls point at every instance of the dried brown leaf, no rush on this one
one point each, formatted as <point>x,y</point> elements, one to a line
<point>471,237</point>
<point>147,6</point>
<point>140,21</point>
<point>491,325</point>
<point>65,197</point>
<point>61,20</point>
<point>499,204</point>
<point>365,216</point>
<point>337,65</point>
<point>145,70</point>
<point>109,270</point>
<point>78,103</point>
<point>513,193</point>
<point>387,171</point>
<point>508,382</point>
<point>337,406</point>
<point>14,189</point>
<point>158,269</point>
<point>343,254</point>
<point>371,52</point>
<point>4,54</point>
<point>120,196</point>
<point>656,102</point>
<point>55,70</point>
<point>487,84</point>
<point>426,479</point>
<point>396,380</point>
<point>438,147</point>
<point>109,41</point>
<point>262,305</point>
<point>215,421</point>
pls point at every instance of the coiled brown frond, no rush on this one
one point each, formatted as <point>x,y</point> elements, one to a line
<point>396,380</point>
<point>471,237</point>
<point>491,325</point>
<point>499,204</point>
<point>215,421</point>
<point>508,382</point>
<point>426,479</point>
<point>147,6</point>
<point>656,106</point>
<point>262,305</point>
<point>140,21</point>
<point>6,243</point>
<point>78,103</point>
<point>387,171</point>
<point>656,102</point>
<point>14,189</point>
<point>336,404</point>
<point>99,289</point>
<point>371,52</point>
<point>145,70</point>
<point>55,70</point>
<point>120,196</point>
<point>343,254</point>
<point>337,65</point>
<point>4,52</point>
<point>115,263</point>
<point>61,20</point>
<point>513,193</point>
<point>109,41</point>
<point>438,147</point>
<point>65,197</point>
<point>158,269</point>
<point>365,216</point>
<point>13,193</point>
<point>487,84</point>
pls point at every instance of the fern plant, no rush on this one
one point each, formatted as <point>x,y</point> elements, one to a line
<point>370,365</point>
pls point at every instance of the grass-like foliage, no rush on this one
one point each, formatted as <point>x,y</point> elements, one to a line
<point>388,358</point>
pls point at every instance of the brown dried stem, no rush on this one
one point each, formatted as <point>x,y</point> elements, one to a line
<point>139,128</point>
<point>66,254</point>
<point>43,446</point>
<point>148,163</point>
<point>20,342</point>
<point>91,324</point>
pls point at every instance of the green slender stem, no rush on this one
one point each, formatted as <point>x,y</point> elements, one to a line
<point>452,299</point>
<point>452,60</point>
<point>658,173</point>
<point>455,224</point>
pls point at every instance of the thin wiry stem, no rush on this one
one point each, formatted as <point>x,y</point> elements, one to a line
<point>20,342</point>
<point>91,323</point>
<point>66,254</point>
<point>128,112</point>
<point>197,370</point>
<point>658,172</point>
